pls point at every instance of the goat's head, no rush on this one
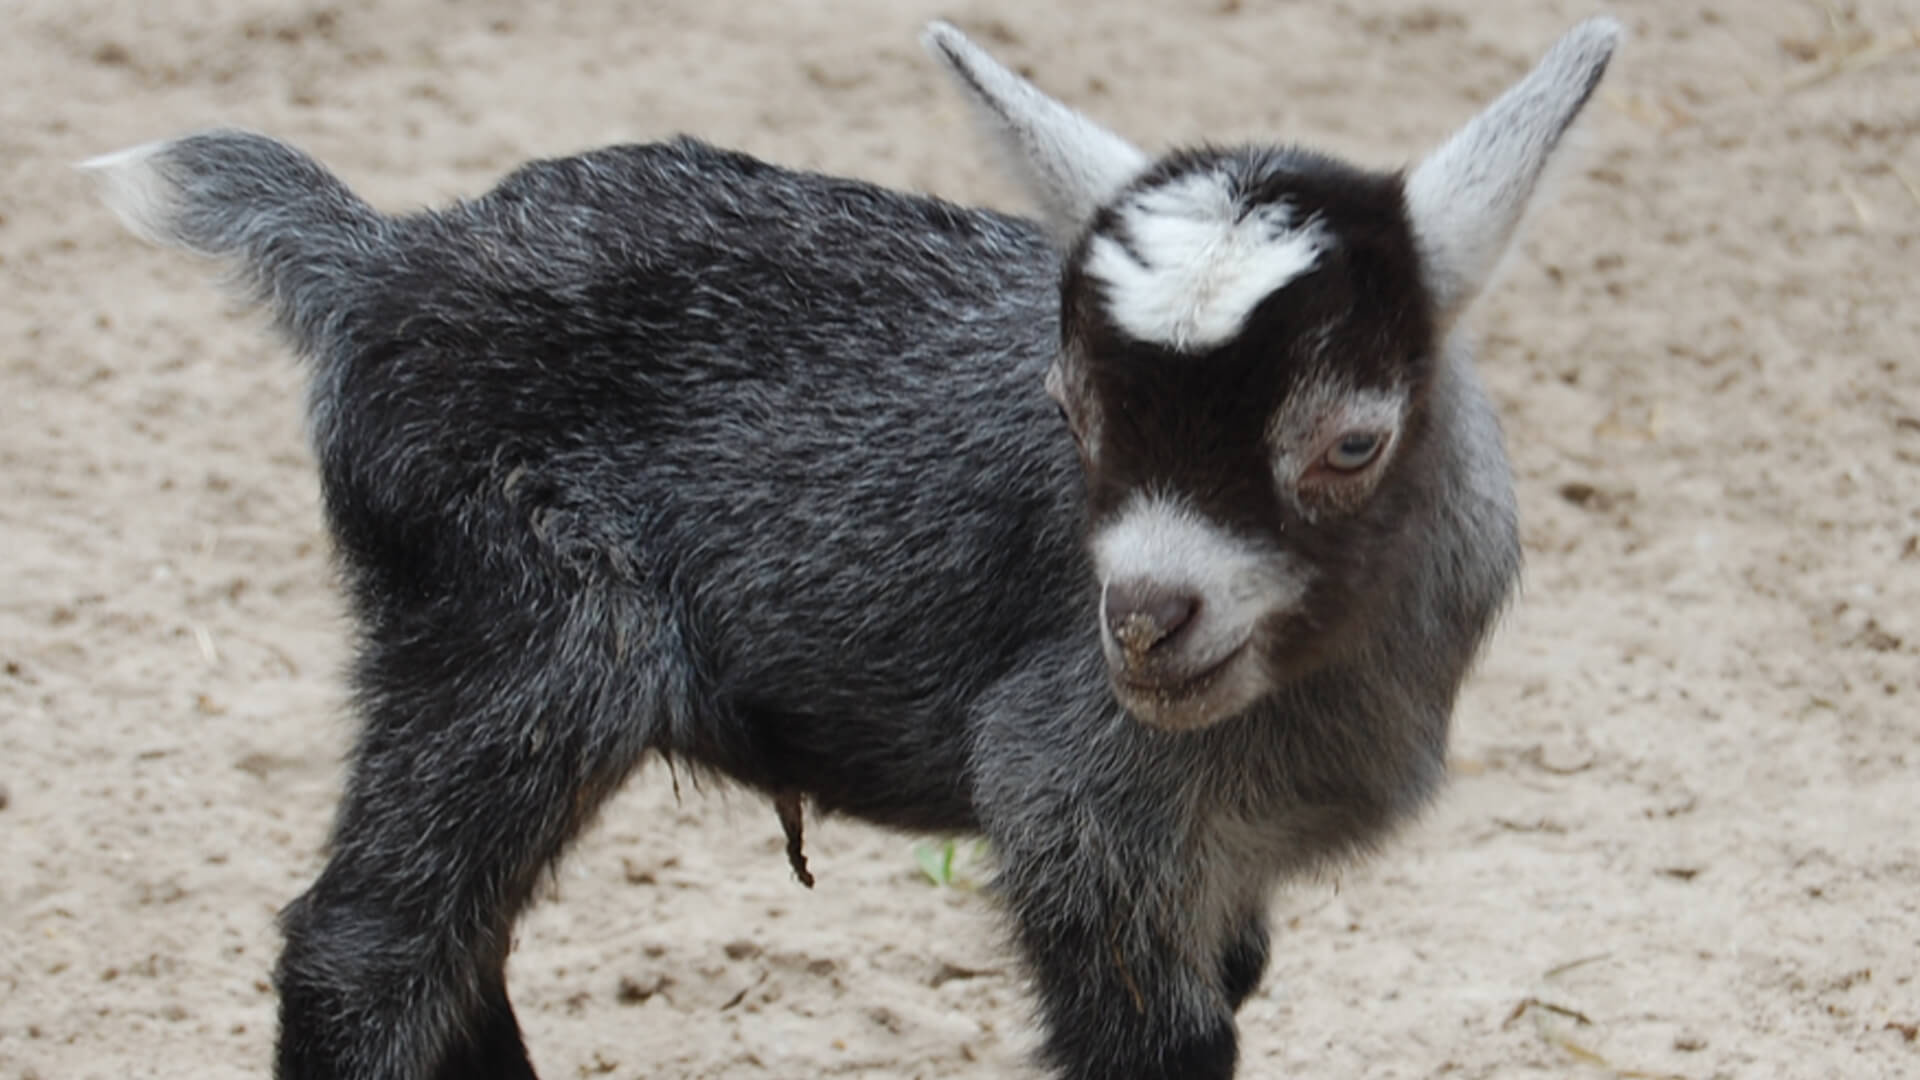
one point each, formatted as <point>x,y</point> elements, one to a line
<point>1248,336</point>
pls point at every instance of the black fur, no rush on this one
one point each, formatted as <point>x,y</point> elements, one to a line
<point>1245,961</point>
<point>664,450</point>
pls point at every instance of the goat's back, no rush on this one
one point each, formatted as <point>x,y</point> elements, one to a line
<point>803,413</point>
<point>785,431</point>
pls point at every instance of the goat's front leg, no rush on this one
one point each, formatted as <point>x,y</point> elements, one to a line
<point>1129,989</point>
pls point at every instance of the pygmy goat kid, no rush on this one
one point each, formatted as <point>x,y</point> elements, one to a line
<point>665,450</point>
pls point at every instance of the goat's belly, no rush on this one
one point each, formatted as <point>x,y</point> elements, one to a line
<point>906,773</point>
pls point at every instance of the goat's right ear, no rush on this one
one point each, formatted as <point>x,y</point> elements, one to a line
<point>1072,165</point>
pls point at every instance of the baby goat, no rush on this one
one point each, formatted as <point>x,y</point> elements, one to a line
<point>665,450</point>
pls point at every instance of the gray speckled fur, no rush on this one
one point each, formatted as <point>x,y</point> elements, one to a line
<point>661,449</point>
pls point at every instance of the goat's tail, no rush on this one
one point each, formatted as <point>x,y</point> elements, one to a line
<point>299,241</point>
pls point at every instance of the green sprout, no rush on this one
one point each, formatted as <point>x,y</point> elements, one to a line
<point>947,862</point>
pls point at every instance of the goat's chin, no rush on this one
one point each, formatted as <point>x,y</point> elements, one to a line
<point>1197,702</point>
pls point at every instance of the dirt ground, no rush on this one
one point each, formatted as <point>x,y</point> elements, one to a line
<point>1681,836</point>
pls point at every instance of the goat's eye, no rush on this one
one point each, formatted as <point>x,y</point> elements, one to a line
<point>1355,451</point>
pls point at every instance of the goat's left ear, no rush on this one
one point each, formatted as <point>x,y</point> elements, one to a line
<point>1072,165</point>
<point>1465,200</point>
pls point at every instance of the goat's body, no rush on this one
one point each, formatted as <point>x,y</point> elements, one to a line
<point>653,400</point>
<point>661,449</point>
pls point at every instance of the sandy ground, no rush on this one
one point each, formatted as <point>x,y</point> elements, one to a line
<point>1681,838</point>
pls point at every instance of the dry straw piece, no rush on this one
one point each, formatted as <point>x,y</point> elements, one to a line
<point>1847,48</point>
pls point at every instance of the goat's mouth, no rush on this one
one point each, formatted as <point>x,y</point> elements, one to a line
<point>1183,701</point>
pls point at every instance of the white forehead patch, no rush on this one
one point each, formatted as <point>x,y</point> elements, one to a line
<point>1160,539</point>
<point>1205,261</point>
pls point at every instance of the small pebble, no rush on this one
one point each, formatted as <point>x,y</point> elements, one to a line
<point>633,991</point>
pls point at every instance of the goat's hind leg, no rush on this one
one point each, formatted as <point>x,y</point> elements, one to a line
<point>481,757</point>
<point>1244,960</point>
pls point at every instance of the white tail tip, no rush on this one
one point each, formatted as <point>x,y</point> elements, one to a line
<point>137,190</point>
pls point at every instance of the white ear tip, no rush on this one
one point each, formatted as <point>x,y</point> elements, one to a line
<point>945,41</point>
<point>1580,58</point>
<point>1591,44</point>
<point>1602,30</point>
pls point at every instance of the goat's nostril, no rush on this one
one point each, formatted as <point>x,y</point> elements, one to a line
<point>1144,614</point>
